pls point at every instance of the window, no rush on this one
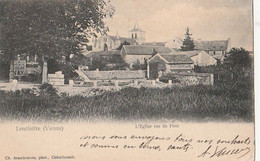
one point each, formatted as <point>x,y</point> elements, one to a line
<point>132,35</point>
<point>136,35</point>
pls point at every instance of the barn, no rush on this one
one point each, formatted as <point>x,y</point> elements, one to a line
<point>162,63</point>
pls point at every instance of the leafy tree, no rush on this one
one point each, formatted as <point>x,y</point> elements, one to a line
<point>238,58</point>
<point>122,44</point>
<point>50,28</point>
<point>188,44</point>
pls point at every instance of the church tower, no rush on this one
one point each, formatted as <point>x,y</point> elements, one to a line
<point>137,33</point>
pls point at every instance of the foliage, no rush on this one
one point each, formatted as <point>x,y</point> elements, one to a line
<point>4,69</point>
<point>98,63</point>
<point>237,59</point>
<point>112,62</point>
<point>232,101</point>
<point>50,28</point>
<point>169,76</point>
<point>48,89</point>
<point>188,44</point>
<point>139,66</point>
<point>122,44</point>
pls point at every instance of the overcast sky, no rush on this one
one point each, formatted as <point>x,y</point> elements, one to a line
<point>164,19</point>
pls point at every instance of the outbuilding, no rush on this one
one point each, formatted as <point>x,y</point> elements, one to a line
<point>162,63</point>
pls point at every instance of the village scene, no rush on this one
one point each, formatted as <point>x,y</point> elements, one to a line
<point>96,74</point>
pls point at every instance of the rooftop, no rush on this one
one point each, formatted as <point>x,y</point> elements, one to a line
<point>218,45</point>
<point>145,50</point>
<point>176,59</point>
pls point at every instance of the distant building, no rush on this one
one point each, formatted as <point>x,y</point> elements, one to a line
<point>135,53</point>
<point>199,57</point>
<point>162,63</point>
<point>217,49</point>
<point>137,34</point>
<point>154,43</point>
<point>107,42</point>
<point>24,65</point>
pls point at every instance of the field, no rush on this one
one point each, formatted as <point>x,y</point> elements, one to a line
<point>231,101</point>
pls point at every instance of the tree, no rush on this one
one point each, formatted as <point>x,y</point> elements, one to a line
<point>188,44</point>
<point>122,44</point>
<point>237,59</point>
<point>50,28</point>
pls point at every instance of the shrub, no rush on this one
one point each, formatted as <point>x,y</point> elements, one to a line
<point>48,89</point>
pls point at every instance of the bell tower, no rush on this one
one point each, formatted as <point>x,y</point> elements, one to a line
<point>137,33</point>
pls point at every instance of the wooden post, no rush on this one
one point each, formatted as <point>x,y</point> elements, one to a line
<point>170,82</point>
<point>116,84</point>
<point>11,71</point>
<point>212,79</point>
<point>94,83</point>
<point>71,83</point>
<point>135,82</point>
<point>44,72</point>
<point>153,82</point>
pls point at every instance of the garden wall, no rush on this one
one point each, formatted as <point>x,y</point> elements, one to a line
<point>115,74</point>
<point>195,78</point>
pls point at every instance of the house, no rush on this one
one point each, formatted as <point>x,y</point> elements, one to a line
<point>107,42</point>
<point>141,53</point>
<point>218,49</point>
<point>162,63</point>
<point>154,43</point>
<point>200,58</point>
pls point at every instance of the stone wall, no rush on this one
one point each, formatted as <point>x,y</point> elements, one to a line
<point>56,79</point>
<point>195,78</point>
<point>115,74</point>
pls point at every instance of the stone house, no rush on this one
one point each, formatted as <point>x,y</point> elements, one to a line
<point>162,63</point>
<point>200,58</point>
<point>141,53</point>
<point>218,49</point>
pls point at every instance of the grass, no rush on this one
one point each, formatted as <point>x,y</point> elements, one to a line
<point>233,101</point>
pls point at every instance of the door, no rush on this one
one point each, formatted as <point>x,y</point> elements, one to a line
<point>153,70</point>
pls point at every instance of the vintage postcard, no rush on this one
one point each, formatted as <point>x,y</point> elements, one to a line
<point>127,80</point>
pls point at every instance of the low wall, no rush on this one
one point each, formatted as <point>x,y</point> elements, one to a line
<point>115,74</point>
<point>195,78</point>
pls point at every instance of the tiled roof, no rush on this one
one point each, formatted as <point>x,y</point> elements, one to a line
<point>219,45</point>
<point>102,53</point>
<point>176,59</point>
<point>154,43</point>
<point>188,53</point>
<point>145,50</point>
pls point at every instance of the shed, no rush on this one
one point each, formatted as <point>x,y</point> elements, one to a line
<point>162,63</point>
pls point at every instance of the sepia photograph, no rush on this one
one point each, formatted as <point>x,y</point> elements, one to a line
<point>99,71</point>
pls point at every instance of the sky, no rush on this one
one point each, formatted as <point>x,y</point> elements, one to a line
<point>165,19</point>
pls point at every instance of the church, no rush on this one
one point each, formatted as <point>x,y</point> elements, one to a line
<point>108,42</point>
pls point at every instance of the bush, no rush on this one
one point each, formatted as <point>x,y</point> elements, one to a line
<point>169,76</point>
<point>48,89</point>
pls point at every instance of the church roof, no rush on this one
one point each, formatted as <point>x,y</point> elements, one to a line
<point>122,39</point>
<point>219,45</point>
<point>136,28</point>
<point>144,50</point>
